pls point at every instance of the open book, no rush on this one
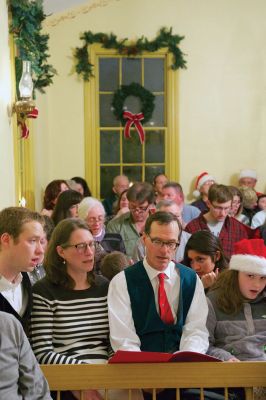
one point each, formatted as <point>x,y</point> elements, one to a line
<point>153,357</point>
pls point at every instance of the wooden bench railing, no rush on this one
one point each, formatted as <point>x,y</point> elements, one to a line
<point>157,376</point>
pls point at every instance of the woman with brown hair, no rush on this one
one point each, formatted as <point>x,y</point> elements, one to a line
<point>121,206</point>
<point>51,193</point>
<point>237,203</point>
<point>69,323</point>
<point>82,186</point>
<point>66,206</point>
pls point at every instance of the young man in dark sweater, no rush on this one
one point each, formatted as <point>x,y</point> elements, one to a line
<point>21,248</point>
<point>219,223</point>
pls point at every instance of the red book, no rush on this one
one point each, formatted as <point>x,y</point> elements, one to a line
<point>153,357</point>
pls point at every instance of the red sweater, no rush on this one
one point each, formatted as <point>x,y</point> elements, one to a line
<point>231,232</point>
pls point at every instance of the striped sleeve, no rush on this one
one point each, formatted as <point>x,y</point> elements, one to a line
<point>69,331</point>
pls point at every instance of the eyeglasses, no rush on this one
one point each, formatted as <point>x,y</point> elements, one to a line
<point>160,243</point>
<point>96,219</point>
<point>219,208</point>
<point>82,247</point>
<point>138,209</point>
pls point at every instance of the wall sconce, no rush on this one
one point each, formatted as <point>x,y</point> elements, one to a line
<point>25,107</point>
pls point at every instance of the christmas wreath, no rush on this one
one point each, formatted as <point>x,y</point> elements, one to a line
<point>134,89</point>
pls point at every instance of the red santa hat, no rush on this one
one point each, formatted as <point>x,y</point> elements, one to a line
<point>249,256</point>
<point>201,179</point>
<point>248,173</point>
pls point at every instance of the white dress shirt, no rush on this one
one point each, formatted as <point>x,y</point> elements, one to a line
<point>123,335</point>
<point>14,293</point>
<point>258,219</point>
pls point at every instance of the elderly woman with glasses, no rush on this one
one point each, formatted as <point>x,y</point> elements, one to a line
<point>92,211</point>
<point>64,326</point>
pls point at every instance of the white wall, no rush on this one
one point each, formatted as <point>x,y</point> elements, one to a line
<point>7,179</point>
<point>222,94</point>
<point>221,97</point>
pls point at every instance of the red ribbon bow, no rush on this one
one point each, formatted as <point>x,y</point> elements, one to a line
<point>134,119</point>
<point>24,128</point>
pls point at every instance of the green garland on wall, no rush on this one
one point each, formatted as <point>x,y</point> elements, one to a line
<point>164,39</point>
<point>32,45</point>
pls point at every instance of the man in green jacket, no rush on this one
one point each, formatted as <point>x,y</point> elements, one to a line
<point>131,225</point>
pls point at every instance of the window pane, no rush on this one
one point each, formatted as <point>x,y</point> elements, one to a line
<point>132,148</point>
<point>154,74</point>
<point>131,70</point>
<point>134,174</point>
<point>133,104</point>
<point>157,118</point>
<point>109,74</point>
<point>107,176</point>
<point>152,171</point>
<point>154,147</point>
<point>109,147</point>
<point>134,158</point>
<point>107,117</point>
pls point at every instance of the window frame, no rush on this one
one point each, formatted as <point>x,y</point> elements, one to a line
<point>91,116</point>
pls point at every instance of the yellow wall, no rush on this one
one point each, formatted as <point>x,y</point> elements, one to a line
<point>7,196</point>
<point>222,94</point>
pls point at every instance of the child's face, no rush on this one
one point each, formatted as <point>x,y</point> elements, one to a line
<point>262,203</point>
<point>251,285</point>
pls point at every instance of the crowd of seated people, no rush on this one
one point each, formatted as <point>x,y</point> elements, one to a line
<point>152,273</point>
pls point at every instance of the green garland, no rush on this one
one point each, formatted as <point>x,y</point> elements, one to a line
<point>134,89</point>
<point>26,25</point>
<point>164,39</point>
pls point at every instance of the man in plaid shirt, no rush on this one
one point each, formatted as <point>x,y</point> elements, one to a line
<point>216,220</point>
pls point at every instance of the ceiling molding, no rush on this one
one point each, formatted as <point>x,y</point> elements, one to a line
<point>55,19</point>
<point>57,6</point>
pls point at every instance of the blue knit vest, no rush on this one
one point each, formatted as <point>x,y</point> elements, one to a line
<point>154,334</point>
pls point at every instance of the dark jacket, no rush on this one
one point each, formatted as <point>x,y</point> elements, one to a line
<point>6,306</point>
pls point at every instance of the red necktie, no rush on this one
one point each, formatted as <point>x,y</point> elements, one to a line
<point>164,306</point>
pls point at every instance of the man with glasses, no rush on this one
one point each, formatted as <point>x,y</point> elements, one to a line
<point>217,220</point>
<point>158,305</point>
<point>172,207</point>
<point>131,224</point>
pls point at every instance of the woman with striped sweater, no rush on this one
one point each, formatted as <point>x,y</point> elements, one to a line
<point>69,323</point>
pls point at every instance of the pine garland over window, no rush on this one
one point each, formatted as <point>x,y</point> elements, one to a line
<point>164,39</point>
<point>32,45</point>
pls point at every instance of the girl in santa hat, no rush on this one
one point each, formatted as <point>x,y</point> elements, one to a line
<point>237,309</point>
<point>237,306</point>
